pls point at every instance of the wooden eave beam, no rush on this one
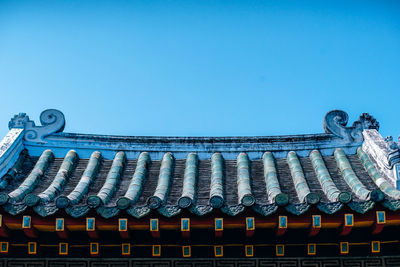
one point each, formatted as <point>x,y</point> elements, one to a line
<point>47,224</point>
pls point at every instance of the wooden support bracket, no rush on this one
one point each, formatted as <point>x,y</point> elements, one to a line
<point>250,226</point>
<point>27,227</point>
<point>185,227</point>
<point>380,222</point>
<point>60,229</point>
<point>4,232</point>
<point>315,225</point>
<point>154,228</point>
<point>219,226</point>
<point>348,224</point>
<point>123,228</point>
<point>91,228</point>
<point>282,225</point>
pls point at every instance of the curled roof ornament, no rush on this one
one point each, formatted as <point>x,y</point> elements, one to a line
<point>335,122</point>
<point>52,120</point>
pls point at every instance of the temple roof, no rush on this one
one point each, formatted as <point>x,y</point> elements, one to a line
<point>49,171</point>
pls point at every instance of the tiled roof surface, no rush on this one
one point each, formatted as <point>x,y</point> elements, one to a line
<point>75,185</point>
<point>46,170</point>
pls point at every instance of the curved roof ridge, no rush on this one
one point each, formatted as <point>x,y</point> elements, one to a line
<point>51,135</point>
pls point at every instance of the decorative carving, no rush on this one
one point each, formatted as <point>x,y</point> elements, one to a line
<point>138,212</point>
<point>31,200</point>
<point>52,120</point>
<point>62,202</point>
<point>169,210</point>
<point>336,120</point>
<point>108,212</point>
<point>25,263</point>
<point>77,211</point>
<point>393,156</point>
<point>330,208</point>
<point>200,210</point>
<point>393,205</point>
<point>233,210</point>
<point>392,145</point>
<point>18,121</point>
<point>265,210</point>
<point>45,209</point>
<point>313,198</point>
<point>67,263</point>
<point>297,209</point>
<point>361,207</point>
<point>15,208</point>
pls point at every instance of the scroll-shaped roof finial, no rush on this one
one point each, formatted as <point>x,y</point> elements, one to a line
<point>335,122</point>
<point>52,120</point>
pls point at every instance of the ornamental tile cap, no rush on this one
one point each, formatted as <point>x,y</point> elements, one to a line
<point>18,121</point>
<point>392,145</point>
<point>393,155</point>
<point>52,120</point>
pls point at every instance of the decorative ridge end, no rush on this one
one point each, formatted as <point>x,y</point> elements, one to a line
<point>18,121</point>
<point>52,120</point>
<point>392,145</point>
<point>335,122</point>
<point>367,122</point>
<point>393,156</point>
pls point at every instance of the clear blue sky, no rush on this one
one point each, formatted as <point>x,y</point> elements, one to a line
<point>200,67</point>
